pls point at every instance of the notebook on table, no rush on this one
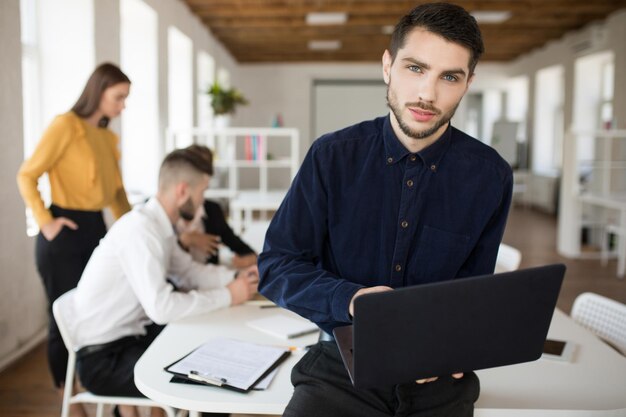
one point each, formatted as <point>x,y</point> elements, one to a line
<point>448,327</point>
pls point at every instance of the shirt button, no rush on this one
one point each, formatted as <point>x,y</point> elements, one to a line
<point>413,158</point>
<point>405,224</point>
<point>398,267</point>
<point>433,167</point>
<point>389,160</point>
<point>409,183</point>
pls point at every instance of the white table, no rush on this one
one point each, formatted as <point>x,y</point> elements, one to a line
<point>614,202</point>
<point>180,338</point>
<point>248,201</point>
<point>593,385</point>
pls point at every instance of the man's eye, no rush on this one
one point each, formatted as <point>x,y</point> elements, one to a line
<point>450,78</point>
<point>414,68</point>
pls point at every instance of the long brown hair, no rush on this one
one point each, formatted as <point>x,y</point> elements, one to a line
<point>103,77</point>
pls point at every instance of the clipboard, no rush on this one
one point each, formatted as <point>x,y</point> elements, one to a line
<point>227,363</point>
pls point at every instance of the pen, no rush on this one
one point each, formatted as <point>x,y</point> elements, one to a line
<point>269,306</point>
<point>299,348</point>
<point>197,376</point>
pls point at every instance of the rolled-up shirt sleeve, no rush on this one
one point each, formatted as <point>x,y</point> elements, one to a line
<point>143,261</point>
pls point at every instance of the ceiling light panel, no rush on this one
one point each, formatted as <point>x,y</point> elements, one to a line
<point>326,18</point>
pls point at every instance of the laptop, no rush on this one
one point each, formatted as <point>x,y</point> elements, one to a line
<point>441,328</point>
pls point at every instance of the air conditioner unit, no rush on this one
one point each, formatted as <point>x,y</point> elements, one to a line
<point>592,39</point>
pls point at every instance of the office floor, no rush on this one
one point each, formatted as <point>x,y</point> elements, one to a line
<point>25,387</point>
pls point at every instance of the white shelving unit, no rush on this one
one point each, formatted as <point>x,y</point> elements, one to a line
<point>275,148</point>
<point>600,201</point>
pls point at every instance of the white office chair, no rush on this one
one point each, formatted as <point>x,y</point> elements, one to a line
<point>604,317</point>
<point>60,309</point>
<point>508,258</point>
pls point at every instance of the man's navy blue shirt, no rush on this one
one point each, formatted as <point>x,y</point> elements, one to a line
<point>364,211</point>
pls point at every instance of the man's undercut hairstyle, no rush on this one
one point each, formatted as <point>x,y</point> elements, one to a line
<point>181,165</point>
<point>451,22</point>
<point>205,154</point>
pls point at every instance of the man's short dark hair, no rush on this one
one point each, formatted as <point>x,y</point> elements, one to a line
<point>449,21</point>
<point>181,165</point>
<point>205,154</point>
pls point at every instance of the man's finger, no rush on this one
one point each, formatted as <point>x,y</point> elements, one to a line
<point>423,381</point>
<point>458,375</point>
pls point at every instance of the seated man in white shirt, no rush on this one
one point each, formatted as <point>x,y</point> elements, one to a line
<point>123,297</point>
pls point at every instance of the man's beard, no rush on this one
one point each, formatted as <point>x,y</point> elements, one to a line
<point>187,210</point>
<point>392,103</point>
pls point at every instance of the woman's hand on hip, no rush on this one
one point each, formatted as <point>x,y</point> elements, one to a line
<point>52,229</point>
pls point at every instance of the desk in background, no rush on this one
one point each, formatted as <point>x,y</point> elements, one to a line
<point>242,206</point>
<point>615,202</point>
<point>593,386</point>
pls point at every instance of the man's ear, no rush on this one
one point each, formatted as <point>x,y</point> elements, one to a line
<point>387,61</point>
<point>181,191</point>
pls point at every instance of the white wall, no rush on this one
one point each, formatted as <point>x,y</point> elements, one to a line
<point>22,302</point>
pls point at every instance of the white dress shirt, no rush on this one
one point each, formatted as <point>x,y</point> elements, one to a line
<point>124,285</point>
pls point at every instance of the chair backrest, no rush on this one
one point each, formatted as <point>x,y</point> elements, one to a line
<point>604,317</point>
<point>508,258</point>
<point>60,310</point>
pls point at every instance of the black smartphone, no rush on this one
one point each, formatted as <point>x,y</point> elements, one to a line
<point>558,349</point>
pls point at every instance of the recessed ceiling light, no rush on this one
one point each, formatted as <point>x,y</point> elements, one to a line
<point>387,29</point>
<point>324,45</point>
<point>491,16</point>
<point>326,18</point>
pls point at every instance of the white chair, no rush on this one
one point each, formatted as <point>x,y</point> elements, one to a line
<point>604,317</point>
<point>508,258</point>
<point>61,308</point>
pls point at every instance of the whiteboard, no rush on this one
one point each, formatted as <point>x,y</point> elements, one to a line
<point>342,103</point>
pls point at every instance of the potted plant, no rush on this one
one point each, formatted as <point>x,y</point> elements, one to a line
<point>224,101</point>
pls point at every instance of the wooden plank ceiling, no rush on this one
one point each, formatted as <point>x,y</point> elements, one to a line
<point>275,30</point>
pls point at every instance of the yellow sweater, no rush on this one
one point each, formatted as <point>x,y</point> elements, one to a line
<point>82,164</point>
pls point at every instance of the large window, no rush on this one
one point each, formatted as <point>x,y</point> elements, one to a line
<point>517,104</point>
<point>180,83</point>
<point>548,130</point>
<point>57,57</point>
<point>141,152</point>
<point>607,120</point>
<point>206,77</point>
<point>67,52</point>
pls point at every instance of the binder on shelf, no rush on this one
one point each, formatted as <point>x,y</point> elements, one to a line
<point>229,363</point>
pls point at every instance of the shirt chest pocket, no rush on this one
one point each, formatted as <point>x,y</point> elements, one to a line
<point>440,254</point>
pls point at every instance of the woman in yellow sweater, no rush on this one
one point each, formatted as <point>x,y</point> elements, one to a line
<point>80,155</point>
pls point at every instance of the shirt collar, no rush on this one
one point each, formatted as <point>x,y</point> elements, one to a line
<point>395,150</point>
<point>155,210</point>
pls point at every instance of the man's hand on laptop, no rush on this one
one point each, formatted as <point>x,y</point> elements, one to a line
<point>367,290</point>
<point>425,380</point>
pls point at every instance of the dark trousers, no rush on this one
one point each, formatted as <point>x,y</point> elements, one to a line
<point>60,263</point>
<point>322,388</point>
<point>110,369</point>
